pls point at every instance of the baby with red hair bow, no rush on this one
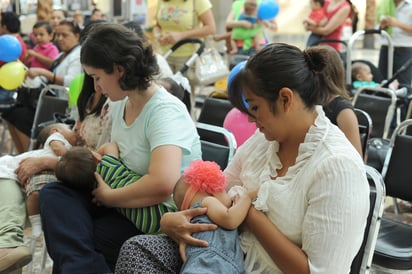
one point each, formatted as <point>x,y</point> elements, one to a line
<point>203,184</point>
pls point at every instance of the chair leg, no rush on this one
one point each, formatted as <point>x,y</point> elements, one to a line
<point>396,208</point>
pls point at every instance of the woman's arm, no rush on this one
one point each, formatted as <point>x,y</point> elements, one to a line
<point>34,72</point>
<point>333,23</point>
<point>153,188</point>
<point>389,21</point>
<point>288,257</point>
<point>208,28</point>
<point>32,165</point>
<point>348,123</point>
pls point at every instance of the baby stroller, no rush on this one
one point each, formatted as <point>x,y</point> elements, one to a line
<point>178,76</point>
<point>371,99</point>
<point>377,76</point>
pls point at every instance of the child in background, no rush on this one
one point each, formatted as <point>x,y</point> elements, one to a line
<point>44,52</point>
<point>362,77</point>
<point>316,17</point>
<point>249,38</point>
<point>79,165</point>
<point>203,184</point>
<point>53,140</point>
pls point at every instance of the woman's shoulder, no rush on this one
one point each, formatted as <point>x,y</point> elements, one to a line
<point>202,6</point>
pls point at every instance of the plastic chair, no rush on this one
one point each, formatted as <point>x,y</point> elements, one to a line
<point>5,105</point>
<point>365,129</point>
<point>363,260</point>
<point>212,151</point>
<point>394,244</point>
<point>213,112</point>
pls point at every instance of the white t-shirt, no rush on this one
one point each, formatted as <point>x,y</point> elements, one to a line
<point>8,163</point>
<point>164,120</point>
<point>321,204</point>
<point>401,38</point>
<point>70,67</point>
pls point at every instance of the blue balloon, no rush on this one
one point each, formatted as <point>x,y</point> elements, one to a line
<point>235,70</point>
<point>10,48</point>
<point>267,10</point>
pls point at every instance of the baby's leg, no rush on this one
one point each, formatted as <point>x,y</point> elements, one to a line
<point>32,203</point>
<point>36,182</point>
<point>233,47</point>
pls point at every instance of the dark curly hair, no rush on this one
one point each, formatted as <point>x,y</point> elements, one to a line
<point>110,44</point>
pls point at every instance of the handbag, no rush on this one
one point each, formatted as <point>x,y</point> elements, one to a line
<point>377,150</point>
<point>210,67</point>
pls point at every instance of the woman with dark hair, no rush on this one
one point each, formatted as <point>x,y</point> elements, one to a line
<point>312,192</point>
<point>156,137</point>
<point>62,71</point>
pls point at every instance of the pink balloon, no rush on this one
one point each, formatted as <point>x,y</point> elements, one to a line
<point>237,123</point>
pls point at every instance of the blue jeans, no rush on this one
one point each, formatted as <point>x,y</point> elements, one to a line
<point>400,57</point>
<point>5,95</point>
<point>80,236</point>
<point>313,39</point>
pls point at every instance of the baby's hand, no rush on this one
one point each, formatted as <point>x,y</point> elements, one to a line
<point>253,194</point>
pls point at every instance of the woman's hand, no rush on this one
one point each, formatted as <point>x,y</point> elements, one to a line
<point>34,72</point>
<point>170,38</point>
<point>101,194</point>
<point>27,168</point>
<point>177,226</point>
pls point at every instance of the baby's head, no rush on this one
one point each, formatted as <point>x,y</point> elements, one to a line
<point>317,4</point>
<point>48,130</point>
<point>250,7</point>
<point>203,176</point>
<point>361,72</point>
<point>43,32</point>
<point>76,168</point>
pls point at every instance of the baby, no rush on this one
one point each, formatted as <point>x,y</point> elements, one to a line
<point>362,77</point>
<point>77,167</point>
<point>203,185</point>
<point>53,140</point>
<point>249,14</point>
<point>44,52</point>
<point>316,17</point>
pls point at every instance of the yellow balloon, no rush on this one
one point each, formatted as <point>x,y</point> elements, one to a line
<point>12,75</point>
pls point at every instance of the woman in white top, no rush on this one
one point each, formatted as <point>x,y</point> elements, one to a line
<point>312,198</point>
